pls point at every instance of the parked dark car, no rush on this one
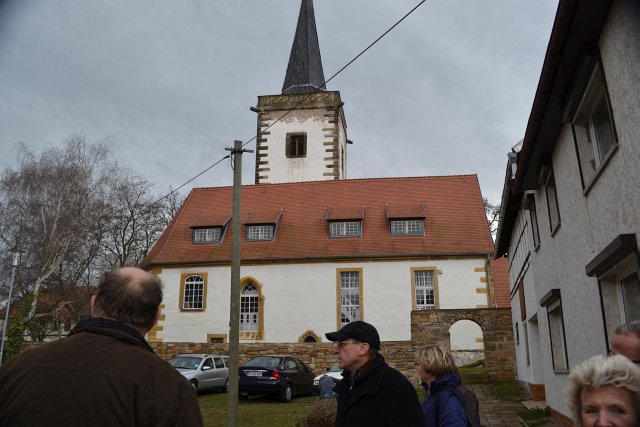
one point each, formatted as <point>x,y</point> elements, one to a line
<point>204,371</point>
<point>277,375</point>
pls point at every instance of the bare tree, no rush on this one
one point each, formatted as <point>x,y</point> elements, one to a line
<point>73,212</point>
<point>136,221</point>
<point>493,216</point>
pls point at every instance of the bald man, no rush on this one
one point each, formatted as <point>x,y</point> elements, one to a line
<point>626,341</point>
<point>104,373</point>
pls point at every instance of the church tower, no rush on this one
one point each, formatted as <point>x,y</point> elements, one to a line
<point>302,132</point>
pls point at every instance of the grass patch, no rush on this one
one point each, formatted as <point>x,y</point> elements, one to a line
<point>261,411</point>
<point>507,390</point>
<point>473,375</point>
<point>536,416</point>
<point>472,370</point>
<point>258,411</point>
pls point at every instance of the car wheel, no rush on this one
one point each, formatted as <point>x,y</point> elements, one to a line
<point>225,387</point>
<point>194,384</point>
<point>243,396</point>
<point>287,394</point>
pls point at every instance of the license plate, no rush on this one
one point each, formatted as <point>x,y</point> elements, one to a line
<point>254,374</point>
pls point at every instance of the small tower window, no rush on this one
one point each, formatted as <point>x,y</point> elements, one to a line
<point>296,145</point>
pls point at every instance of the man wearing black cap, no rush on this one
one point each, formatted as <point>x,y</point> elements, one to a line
<point>371,392</point>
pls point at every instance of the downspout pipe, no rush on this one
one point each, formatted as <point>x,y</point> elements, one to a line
<point>490,301</point>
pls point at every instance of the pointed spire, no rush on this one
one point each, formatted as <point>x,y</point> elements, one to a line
<point>304,73</point>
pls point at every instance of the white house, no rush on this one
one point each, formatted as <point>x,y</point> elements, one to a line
<point>571,204</point>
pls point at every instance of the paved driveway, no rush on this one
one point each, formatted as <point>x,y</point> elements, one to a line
<point>494,412</point>
<point>499,413</point>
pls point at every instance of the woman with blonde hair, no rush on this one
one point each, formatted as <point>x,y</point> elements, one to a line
<point>442,407</point>
<point>605,391</point>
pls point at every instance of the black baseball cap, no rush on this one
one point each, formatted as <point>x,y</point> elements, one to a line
<point>359,331</point>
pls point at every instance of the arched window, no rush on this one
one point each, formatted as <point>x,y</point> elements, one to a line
<point>193,292</point>
<point>249,308</point>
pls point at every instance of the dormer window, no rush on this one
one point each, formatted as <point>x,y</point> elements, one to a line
<point>297,144</point>
<point>406,220</point>
<point>260,232</point>
<point>207,235</point>
<point>206,229</point>
<point>345,221</point>
<point>407,227</point>
<point>345,229</point>
<point>262,225</point>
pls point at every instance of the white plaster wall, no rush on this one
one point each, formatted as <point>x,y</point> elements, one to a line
<point>590,222</point>
<point>536,367</point>
<point>529,370</point>
<point>302,297</point>
<point>309,168</point>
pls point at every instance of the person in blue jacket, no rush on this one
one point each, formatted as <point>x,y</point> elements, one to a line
<point>442,406</point>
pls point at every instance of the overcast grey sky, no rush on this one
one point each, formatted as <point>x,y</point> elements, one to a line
<point>448,91</point>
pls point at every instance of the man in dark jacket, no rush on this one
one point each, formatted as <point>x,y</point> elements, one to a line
<point>371,393</point>
<point>104,373</point>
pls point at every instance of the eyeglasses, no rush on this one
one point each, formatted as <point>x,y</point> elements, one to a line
<point>341,344</point>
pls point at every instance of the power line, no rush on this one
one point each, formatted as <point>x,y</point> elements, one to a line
<point>299,103</point>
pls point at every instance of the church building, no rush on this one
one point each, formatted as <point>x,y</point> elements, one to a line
<point>319,250</point>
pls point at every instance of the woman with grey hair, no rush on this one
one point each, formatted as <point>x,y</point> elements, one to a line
<point>605,391</point>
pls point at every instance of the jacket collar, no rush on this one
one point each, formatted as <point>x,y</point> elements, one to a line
<point>444,381</point>
<point>364,381</point>
<point>111,327</point>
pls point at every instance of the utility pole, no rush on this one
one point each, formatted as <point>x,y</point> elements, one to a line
<point>234,306</point>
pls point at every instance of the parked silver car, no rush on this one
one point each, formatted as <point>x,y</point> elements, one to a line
<point>204,371</point>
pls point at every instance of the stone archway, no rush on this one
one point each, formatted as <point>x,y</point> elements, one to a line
<point>432,327</point>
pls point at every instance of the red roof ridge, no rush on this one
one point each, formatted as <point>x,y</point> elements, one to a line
<point>333,181</point>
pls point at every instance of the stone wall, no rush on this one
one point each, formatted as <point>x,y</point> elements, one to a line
<point>318,356</point>
<point>432,327</point>
<point>427,327</point>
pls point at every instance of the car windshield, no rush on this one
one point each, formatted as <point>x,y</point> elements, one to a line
<point>335,368</point>
<point>265,361</point>
<point>185,362</point>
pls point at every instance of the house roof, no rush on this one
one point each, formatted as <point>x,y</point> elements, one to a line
<point>500,274</point>
<point>577,27</point>
<point>455,222</point>
<point>66,301</point>
<point>304,72</point>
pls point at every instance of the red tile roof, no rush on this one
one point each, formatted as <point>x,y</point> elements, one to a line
<point>500,272</point>
<point>344,213</point>
<point>211,220</point>
<point>413,212</point>
<point>455,221</point>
